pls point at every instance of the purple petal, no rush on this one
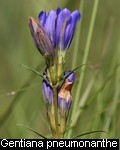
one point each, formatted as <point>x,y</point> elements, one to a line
<point>50,25</point>
<point>58,11</point>
<point>70,27</point>
<point>63,104</point>
<point>63,16</point>
<point>71,77</point>
<point>67,33</point>
<point>47,92</point>
<point>76,16</point>
<point>42,18</point>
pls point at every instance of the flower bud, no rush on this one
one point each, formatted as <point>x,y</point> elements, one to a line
<point>64,94</point>
<point>47,92</point>
<point>41,38</point>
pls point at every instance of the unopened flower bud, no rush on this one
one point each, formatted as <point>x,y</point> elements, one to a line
<point>64,94</point>
<point>47,92</point>
<point>41,38</point>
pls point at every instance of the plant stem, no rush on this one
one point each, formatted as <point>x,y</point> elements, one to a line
<point>62,126</point>
<point>77,38</point>
<point>87,48</point>
<point>56,134</point>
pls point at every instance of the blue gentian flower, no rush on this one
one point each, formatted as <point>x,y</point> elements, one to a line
<point>54,31</point>
<point>47,92</point>
<point>60,26</point>
<point>64,94</point>
<point>70,76</point>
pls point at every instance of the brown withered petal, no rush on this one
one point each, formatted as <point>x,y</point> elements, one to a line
<point>41,38</point>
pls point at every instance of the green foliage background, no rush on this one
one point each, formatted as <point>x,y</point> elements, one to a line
<point>21,100</point>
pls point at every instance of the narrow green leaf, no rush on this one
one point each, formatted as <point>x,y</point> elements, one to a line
<point>32,130</point>
<point>36,72</point>
<point>84,61</point>
<point>87,134</point>
<point>64,77</point>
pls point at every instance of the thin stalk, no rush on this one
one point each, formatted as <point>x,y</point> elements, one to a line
<point>56,134</point>
<point>16,99</point>
<point>87,48</point>
<point>77,37</point>
<point>84,99</point>
<point>62,126</point>
<point>60,64</point>
<point>110,113</point>
<point>114,102</point>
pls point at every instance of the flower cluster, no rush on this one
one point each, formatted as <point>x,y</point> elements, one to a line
<point>54,31</point>
<point>52,35</point>
<point>60,26</point>
<point>63,92</point>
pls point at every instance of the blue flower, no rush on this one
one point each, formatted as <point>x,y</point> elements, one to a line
<point>47,92</point>
<point>70,76</point>
<point>64,94</point>
<point>60,26</point>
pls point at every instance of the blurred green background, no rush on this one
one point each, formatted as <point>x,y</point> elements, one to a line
<point>21,100</point>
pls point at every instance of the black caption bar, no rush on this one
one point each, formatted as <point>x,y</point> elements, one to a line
<point>111,144</point>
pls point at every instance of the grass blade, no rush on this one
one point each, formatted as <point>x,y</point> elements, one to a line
<point>32,130</point>
<point>87,133</point>
<point>87,48</point>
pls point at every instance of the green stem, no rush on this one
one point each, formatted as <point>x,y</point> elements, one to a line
<point>62,126</point>
<point>87,48</point>
<point>56,133</point>
<point>77,38</point>
<point>60,64</point>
